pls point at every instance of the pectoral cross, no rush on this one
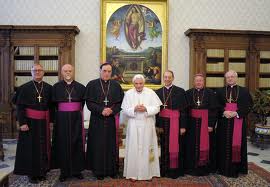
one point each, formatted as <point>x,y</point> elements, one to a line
<point>69,98</point>
<point>198,102</point>
<point>106,101</point>
<point>164,106</point>
<point>39,98</point>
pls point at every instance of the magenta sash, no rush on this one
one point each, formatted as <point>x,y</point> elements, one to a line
<point>69,107</point>
<point>116,118</point>
<point>204,136</point>
<point>237,133</point>
<point>174,134</point>
<point>38,114</point>
<point>117,124</point>
<point>73,107</point>
<point>83,132</point>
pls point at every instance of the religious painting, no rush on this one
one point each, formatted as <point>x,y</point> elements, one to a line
<point>134,40</point>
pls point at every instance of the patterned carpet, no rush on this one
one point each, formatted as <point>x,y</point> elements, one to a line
<point>257,176</point>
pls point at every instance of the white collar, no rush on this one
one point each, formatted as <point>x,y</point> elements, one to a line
<point>232,85</point>
<point>69,82</point>
<point>168,87</point>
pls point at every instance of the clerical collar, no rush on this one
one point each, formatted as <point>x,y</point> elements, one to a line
<point>198,89</point>
<point>231,86</point>
<point>105,81</point>
<point>38,82</point>
<point>69,83</point>
<point>168,87</point>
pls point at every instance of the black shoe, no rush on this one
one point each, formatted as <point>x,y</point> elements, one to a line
<point>62,178</point>
<point>100,177</point>
<point>174,177</point>
<point>33,180</point>
<point>115,176</point>
<point>79,176</point>
<point>42,178</point>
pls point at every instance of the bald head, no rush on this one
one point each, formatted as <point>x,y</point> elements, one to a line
<point>67,72</point>
<point>231,77</point>
<point>67,66</point>
<point>231,73</point>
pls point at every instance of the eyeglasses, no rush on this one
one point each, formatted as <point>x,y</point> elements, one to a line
<point>37,70</point>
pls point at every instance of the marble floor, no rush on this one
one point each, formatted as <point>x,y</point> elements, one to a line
<point>258,156</point>
<point>255,154</point>
<point>7,165</point>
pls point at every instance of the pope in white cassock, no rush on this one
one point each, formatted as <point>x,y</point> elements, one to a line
<point>140,105</point>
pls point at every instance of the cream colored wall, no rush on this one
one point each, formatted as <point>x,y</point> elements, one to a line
<point>183,14</point>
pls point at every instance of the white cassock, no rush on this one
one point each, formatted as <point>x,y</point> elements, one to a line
<point>141,153</point>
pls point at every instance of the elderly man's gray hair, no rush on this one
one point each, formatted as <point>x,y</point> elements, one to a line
<point>231,72</point>
<point>138,76</point>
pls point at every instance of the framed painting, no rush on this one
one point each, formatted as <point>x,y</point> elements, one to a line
<point>134,39</point>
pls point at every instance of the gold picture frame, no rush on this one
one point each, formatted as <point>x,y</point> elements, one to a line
<point>134,39</point>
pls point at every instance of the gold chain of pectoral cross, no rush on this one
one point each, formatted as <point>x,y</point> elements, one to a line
<point>230,99</point>
<point>106,101</point>
<point>39,93</point>
<point>165,100</point>
<point>69,94</point>
<point>198,102</point>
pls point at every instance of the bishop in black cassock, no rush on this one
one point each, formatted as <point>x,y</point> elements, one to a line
<point>33,111</point>
<point>68,135</point>
<point>171,123</point>
<point>235,103</point>
<point>200,136</point>
<point>103,98</point>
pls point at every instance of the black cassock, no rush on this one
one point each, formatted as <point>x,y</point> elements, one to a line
<point>68,141</point>
<point>176,100</point>
<point>225,127</point>
<point>33,148</point>
<point>102,150</point>
<point>203,99</point>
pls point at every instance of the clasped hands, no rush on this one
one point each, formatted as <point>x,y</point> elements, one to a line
<point>229,114</point>
<point>24,127</point>
<point>140,108</point>
<point>107,111</point>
